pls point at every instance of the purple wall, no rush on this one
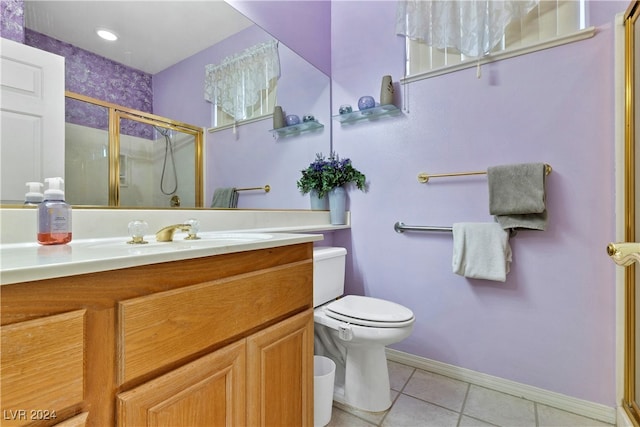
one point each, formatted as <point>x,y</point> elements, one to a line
<point>304,26</point>
<point>552,324</point>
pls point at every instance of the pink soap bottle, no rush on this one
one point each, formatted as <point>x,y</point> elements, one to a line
<point>54,215</point>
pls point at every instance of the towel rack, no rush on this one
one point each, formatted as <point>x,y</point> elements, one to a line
<point>400,227</point>
<point>424,177</point>
<point>266,188</point>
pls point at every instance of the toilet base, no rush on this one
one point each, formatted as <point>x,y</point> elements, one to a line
<point>362,390</point>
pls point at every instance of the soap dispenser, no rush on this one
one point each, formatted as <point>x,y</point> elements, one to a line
<point>54,215</point>
<point>34,195</point>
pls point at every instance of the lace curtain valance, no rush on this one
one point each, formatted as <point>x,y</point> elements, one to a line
<point>236,83</point>
<point>473,27</point>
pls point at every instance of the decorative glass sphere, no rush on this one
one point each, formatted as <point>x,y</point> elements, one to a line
<point>345,109</point>
<point>292,120</point>
<point>366,102</point>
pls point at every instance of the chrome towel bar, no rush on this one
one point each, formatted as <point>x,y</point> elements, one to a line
<point>400,227</point>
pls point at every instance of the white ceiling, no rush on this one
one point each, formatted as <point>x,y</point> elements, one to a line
<point>153,35</point>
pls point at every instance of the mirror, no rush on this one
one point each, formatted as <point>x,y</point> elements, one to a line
<point>244,156</point>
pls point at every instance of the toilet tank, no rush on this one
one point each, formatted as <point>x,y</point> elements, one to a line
<point>328,273</point>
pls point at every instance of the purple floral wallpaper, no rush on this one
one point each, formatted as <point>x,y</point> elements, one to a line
<point>89,74</point>
<point>12,20</point>
<point>96,76</point>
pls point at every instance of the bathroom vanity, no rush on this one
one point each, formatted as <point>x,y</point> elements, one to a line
<point>205,336</point>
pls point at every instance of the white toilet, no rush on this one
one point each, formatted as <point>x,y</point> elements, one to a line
<point>353,331</point>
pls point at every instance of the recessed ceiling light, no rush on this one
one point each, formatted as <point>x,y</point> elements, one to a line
<point>106,34</point>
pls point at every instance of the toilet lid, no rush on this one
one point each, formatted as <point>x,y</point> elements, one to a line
<point>369,311</point>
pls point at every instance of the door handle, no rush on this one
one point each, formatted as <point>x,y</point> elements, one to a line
<point>624,253</point>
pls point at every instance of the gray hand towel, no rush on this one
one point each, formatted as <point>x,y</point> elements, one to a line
<point>517,195</point>
<point>225,198</point>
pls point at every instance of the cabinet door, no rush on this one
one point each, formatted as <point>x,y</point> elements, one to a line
<point>280,373</point>
<point>207,392</point>
<point>42,367</point>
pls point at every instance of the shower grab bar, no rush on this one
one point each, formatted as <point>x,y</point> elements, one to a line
<point>400,227</point>
<point>424,177</point>
<point>266,188</point>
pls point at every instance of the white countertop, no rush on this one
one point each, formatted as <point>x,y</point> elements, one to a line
<point>22,262</point>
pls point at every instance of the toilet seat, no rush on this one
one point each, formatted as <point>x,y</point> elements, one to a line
<point>368,311</point>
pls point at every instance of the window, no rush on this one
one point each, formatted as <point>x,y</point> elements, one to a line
<point>546,23</point>
<point>243,86</point>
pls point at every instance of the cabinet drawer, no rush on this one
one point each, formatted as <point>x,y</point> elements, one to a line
<point>42,367</point>
<point>157,330</point>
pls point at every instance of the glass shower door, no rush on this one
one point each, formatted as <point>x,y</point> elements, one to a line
<point>86,153</point>
<point>117,156</point>
<point>157,163</point>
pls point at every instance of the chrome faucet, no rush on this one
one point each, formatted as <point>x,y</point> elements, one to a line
<point>165,234</point>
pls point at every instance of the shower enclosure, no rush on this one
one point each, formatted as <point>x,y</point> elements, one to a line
<point>116,156</point>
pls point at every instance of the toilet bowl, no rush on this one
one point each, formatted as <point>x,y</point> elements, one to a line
<point>353,331</point>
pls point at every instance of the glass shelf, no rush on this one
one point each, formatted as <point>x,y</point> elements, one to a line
<point>368,114</point>
<point>296,129</point>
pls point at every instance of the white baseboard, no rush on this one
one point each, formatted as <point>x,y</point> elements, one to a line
<point>566,403</point>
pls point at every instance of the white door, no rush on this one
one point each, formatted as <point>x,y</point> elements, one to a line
<point>31,118</point>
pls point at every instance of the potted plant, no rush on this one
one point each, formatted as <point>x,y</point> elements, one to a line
<point>329,177</point>
<point>311,182</point>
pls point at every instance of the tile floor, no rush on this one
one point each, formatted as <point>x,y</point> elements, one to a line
<point>421,399</point>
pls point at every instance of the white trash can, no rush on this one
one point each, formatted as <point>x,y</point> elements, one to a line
<point>324,372</point>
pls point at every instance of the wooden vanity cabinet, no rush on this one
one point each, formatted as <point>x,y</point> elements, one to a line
<point>220,340</point>
<point>262,380</point>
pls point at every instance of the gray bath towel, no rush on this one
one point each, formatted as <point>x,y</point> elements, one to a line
<point>517,195</point>
<point>481,251</point>
<point>225,198</point>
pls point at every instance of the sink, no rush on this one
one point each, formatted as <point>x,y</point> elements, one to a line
<point>207,239</point>
<point>151,247</point>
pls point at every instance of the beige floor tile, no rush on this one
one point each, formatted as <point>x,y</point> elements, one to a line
<point>410,412</point>
<point>499,408</point>
<point>438,389</point>
<point>552,417</point>
<point>372,417</point>
<point>340,418</point>
<point>466,421</point>
<point>399,374</point>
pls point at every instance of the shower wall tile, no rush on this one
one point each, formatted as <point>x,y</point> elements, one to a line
<point>12,20</point>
